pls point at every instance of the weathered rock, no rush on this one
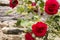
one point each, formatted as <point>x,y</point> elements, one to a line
<point>3,25</point>
<point>12,30</point>
<point>13,37</point>
<point>2,36</point>
<point>9,37</point>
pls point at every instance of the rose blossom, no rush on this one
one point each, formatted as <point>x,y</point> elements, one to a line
<point>33,4</point>
<point>39,29</point>
<point>28,36</point>
<point>13,3</point>
<point>51,7</point>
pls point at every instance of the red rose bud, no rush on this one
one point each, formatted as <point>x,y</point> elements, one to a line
<point>39,29</point>
<point>36,11</point>
<point>13,3</point>
<point>28,36</point>
<point>33,4</point>
<point>51,7</point>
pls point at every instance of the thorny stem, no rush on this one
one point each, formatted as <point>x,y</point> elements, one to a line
<point>46,37</point>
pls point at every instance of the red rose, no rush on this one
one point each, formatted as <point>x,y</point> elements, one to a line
<point>39,29</point>
<point>13,3</point>
<point>33,4</point>
<point>51,7</point>
<point>28,36</point>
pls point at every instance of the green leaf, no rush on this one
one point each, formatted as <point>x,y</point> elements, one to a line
<point>18,22</point>
<point>24,23</point>
<point>20,9</point>
<point>10,11</point>
<point>56,18</point>
<point>25,1</point>
<point>46,36</point>
<point>41,9</point>
<point>41,4</point>
<point>30,23</point>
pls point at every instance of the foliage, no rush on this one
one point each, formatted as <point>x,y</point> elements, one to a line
<point>32,14</point>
